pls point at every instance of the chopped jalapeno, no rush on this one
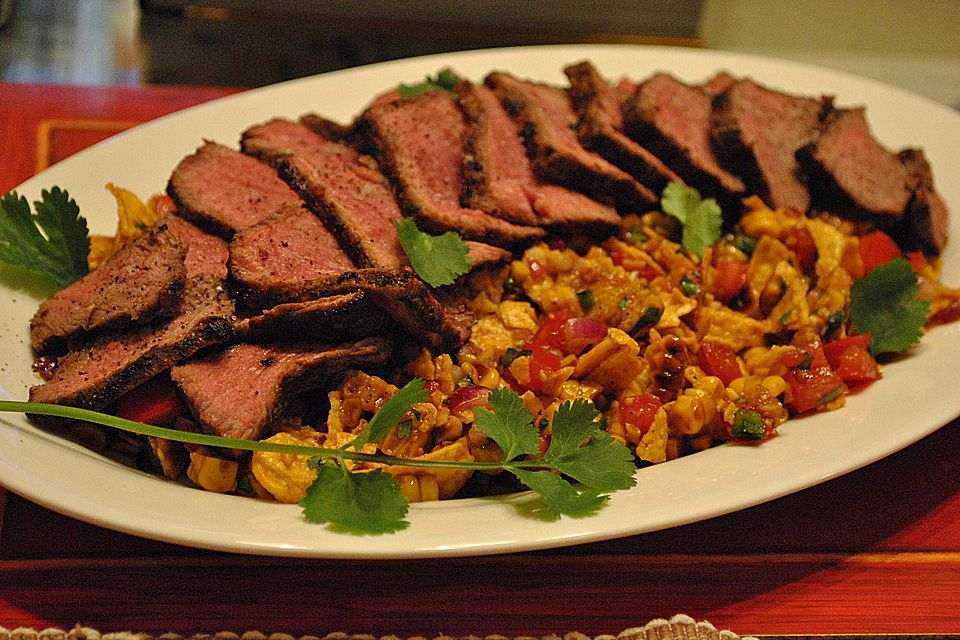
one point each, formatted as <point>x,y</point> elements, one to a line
<point>585,298</point>
<point>649,318</point>
<point>830,397</point>
<point>512,354</point>
<point>689,286</point>
<point>834,320</point>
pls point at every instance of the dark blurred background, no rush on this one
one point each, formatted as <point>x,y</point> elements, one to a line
<point>247,43</point>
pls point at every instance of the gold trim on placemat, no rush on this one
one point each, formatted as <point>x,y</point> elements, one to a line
<point>46,127</point>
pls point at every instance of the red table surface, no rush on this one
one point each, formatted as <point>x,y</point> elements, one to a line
<point>874,551</point>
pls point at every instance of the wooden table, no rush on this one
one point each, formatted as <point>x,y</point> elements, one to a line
<point>877,550</point>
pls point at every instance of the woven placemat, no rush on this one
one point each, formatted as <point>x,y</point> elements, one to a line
<point>679,627</point>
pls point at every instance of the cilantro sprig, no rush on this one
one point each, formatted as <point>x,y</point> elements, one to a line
<point>884,304</point>
<point>51,243</point>
<point>370,502</point>
<point>701,218</point>
<point>438,260</point>
<point>445,79</point>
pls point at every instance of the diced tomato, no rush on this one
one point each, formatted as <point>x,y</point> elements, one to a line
<point>163,204</point>
<point>719,360</point>
<point>851,359</point>
<point>155,402</point>
<point>639,411</point>
<point>801,242</point>
<point>917,261</point>
<point>616,255</point>
<point>730,278</point>
<point>877,248</point>
<point>537,272</point>
<point>811,381</point>
<point>542,361</point>
<point>549,334</point>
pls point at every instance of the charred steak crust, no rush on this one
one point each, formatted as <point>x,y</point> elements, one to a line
<point>600,128</point>
<point>927,217</point>
<point>756,133</point>
<point>141,282</point>
<point>224,191</point>
<point>672,120</point>
<point>419,144</point>
<point>851,174</point>
<point>217,389</point>
<point>104,368</point>
<point>547,120</point>
<point>288,257</point>
<point>329,319</point>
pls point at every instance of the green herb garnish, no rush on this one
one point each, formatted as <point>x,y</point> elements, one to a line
<point>438,260</point>
<point>512,354</point>
<point>648,319</point>
<point>702,219</point>
<point>884,304</point>
<point>446,80</point>
<point>834,320</point>
<point>829,397</point>
<point>52,243</point>
<point>585,298</point>
<point>689,286</point>
<point>747,425</point>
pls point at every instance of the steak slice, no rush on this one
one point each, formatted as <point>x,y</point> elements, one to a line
<point>332,318</point>
<point>927,214</point>
<point>756,133</point>
<point>140,282</point>
<point>108,366</point>
<point>225,191</point>
<point>600,128</point>
<point>850,173</point>
<point>288,257</point>
<point>420,145</point>
<point>672,120</point>
<point>548,121</point>
<point>238,392</point>
<point>499,177</point>
<point>206,253</point>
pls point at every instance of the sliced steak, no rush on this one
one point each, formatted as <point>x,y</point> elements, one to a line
<point>225,191</point>
<point>238,392</point>
<point>927,215</point>
<point>850,173</point>
<point>289,257</point>
<point>420,145</point>
<point>719,83</point>
<point>672,120</point>
<point>500,178</point>
<point>548,120</point>
<point>600,128</point>
<point>484,255</point>
<point>103,369</point>
<point>206,253</point>
<point>140,282</point>
<point>756,133</point>
<point>328,319</point>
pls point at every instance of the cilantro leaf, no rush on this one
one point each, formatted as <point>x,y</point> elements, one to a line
<point>884,304</point>
<point>510,424</point>
<point>581,450</point>
<point>390,413</point>
<point>58,255</point>
<point>702,219</point>
<point>360,503</point>
<point>561,497</point>
<point>438,260</point>
<point>446,79</point>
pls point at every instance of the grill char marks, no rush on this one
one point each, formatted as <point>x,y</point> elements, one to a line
<point>337,317</point>
<point>756,133</point>
<point>600,128</point>
<point>672,120</point>
<point>225,408</point>
<point>926,216</point>
<point>852,174</point>
<point>548,121</point>
<point>224,191</point>
<point>419,144</point>
<point>141,282</point>
<point>500,178</point>
<point>100,371</point>
<point>289,257</point>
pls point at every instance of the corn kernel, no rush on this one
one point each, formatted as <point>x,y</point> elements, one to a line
<point>213,474</point>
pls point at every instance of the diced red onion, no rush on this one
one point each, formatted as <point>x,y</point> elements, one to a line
<point>467,398</point>
<point>579,333</point>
